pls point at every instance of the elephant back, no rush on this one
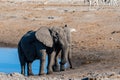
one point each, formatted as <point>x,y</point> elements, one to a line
<point>43,35</point>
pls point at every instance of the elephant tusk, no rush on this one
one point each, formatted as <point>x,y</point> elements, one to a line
<point>72,30</point>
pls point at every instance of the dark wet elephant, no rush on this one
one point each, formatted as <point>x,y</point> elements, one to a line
<point>30,49</point>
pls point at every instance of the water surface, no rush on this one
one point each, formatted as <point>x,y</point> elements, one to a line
<point>9,61</point>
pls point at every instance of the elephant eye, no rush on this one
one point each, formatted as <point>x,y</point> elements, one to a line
<point>56,34</point>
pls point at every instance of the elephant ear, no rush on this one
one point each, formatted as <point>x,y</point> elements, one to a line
<point>43,35</point>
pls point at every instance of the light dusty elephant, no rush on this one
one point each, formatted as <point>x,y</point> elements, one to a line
<point>68,55</point>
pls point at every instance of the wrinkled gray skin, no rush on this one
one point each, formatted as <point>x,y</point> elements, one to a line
<point>29,49</point>
<point>68,55</point>
<point>34,45</point>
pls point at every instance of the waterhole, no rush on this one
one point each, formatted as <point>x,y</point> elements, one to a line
<point>9,61</point>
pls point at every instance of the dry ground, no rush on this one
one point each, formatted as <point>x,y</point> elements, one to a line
<point>96,44</point>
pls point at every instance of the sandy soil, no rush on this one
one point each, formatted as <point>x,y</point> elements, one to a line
<point>96,44</point>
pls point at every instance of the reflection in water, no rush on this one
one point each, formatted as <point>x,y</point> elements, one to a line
<point>9,61</point>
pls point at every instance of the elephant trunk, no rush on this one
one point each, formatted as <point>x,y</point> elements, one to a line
<point>64,55</point>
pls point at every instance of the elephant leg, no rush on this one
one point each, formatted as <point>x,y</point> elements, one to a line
<point>21,58</point>
<point>51,58</point>
<point>23,69</point>
<point>69,58</point>
<point>29,69</point>
<point>56,67</point>
<point>42,62</point>
<point>64,56</point>
<point>62,67</point>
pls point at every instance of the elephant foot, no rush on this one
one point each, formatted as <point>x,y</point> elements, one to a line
<point>72,68</point>
<point>63,62</point>
<point>23,74</point>
<point>50,72</point>
<point>30,74</point>
<point>42,74</point>
<point>56,68</point>
<point>62,68</point>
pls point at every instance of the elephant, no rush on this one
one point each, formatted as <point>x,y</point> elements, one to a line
<point>37,44</point>
<point>58,48</point>
<point>30,49</point>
